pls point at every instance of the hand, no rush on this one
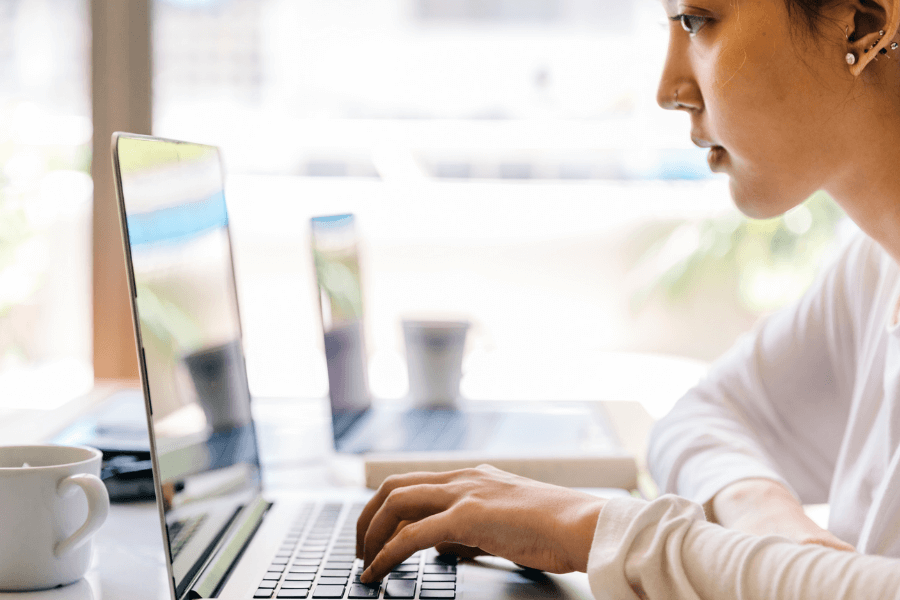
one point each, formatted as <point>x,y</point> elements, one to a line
<point>765,507</point>
<point>534,524</point>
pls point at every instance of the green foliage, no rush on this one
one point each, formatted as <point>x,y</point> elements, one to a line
<point>766,263</point>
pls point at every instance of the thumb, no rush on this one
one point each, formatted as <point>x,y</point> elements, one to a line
<point>459,550</point>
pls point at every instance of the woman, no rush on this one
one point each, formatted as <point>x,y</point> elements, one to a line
<point>790,96</point>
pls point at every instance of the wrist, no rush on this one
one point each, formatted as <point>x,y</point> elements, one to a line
<point>580,533</point>
<point>740,499</point>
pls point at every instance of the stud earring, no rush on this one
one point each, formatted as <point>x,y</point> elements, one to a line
<point>851,58</point>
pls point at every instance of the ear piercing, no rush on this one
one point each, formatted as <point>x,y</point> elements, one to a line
<point>851,57</point>
<point>883,50</point>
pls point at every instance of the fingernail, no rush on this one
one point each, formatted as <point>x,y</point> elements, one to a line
<point>366,576</point>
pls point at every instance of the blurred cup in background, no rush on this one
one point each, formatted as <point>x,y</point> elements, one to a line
<point>434,353</point>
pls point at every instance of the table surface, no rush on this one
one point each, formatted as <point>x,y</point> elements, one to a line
<point>129,548</point>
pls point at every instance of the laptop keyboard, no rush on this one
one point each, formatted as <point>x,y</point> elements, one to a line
<point>319,561</point>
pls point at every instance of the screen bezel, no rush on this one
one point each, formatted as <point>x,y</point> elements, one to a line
<point>177,589</point>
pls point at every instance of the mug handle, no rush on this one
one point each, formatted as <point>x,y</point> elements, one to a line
<point>98,509</point>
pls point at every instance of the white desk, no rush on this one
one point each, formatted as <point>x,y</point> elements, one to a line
<point>128,550</point>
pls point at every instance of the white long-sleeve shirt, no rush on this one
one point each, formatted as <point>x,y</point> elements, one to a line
<point>811,399</point>
<point>666,550</point>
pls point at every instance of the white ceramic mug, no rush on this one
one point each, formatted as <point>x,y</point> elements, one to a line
<point>434,355</point>
<point>45,522</point>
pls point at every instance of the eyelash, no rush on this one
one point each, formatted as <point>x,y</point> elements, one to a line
<point>689,22</point>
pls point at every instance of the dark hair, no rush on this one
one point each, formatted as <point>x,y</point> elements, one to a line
<point>808,12</point>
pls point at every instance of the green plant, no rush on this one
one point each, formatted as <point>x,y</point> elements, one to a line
<point>766,263</point>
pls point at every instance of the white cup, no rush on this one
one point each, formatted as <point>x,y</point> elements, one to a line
<point>45,523</point>
<point>434,353</point>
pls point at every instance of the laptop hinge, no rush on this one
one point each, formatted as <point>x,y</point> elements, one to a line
<point>214,575</point>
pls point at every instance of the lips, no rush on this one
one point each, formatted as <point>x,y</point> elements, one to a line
<point>716,158</point>
<point>702,142</point>
<point>717,154</point>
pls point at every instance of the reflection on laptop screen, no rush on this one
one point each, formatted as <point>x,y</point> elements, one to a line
<point>190,335</point>
<point>336,259</point>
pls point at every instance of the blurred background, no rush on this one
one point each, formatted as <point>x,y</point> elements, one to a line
<point>505,159</point>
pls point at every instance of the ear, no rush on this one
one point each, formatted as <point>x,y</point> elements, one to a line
<point>864,21</point>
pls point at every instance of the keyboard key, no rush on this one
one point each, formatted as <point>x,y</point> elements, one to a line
<point>342,557</point>
<point>279,561</point>
<point>437,594</point>
<point>276,575</point>
<point>404,575</point>
<point>300,577</point>
<point>335,572</point>
<point>438,585</point>
<point>400,589</point>
<point>304,569</point>
<point>268,583</point>
<point>309,562</point>
<point>263,593</point>
<point>339,565</point>
<point>333,580</point>
<point>440,568</point>
<point>296,585</point>
<point>277,568</point>
<point>415,567</point>
<point>329,591</point>
<point>439,577</point>
<point>359,590</point>
<point>310,555</point>
<point>283,593</point>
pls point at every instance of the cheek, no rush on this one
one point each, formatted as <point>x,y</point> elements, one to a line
<point>749,95</point>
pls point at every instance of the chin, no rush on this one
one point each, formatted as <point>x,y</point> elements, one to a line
<point>758,203</point>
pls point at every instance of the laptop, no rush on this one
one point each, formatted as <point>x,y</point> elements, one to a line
<point>480,430</point>
<point>224,536</point>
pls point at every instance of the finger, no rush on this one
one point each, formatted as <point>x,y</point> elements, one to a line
<point>460,550</point>
<point>409,540</point>
<point>389,485</point>
<point>411,503</point>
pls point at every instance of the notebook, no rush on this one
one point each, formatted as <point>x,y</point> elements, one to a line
<point>225,537</point>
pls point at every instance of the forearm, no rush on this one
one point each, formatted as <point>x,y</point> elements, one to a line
<point>766,507</point>
<point>665,549</point>
<point>733,504</point>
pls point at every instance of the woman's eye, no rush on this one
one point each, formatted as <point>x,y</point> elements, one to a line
<point>692,23</point>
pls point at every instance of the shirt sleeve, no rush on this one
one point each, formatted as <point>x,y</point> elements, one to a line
<point>776,405</point>
<point>665,549</point>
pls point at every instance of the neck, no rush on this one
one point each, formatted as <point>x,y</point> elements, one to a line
<point>868,186</point>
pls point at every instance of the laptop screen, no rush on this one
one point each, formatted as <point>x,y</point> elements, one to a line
<point>336,257</point>
<point>189,330</point>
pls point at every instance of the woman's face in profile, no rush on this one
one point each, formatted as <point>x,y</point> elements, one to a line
<point>764,93</point>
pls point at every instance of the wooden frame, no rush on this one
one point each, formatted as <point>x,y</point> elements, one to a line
<point>121,101</point>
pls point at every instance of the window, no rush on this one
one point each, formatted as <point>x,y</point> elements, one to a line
<point>507,163</point>
<point>45,202</point>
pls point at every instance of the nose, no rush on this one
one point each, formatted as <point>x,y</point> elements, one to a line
<point>678,90</point>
